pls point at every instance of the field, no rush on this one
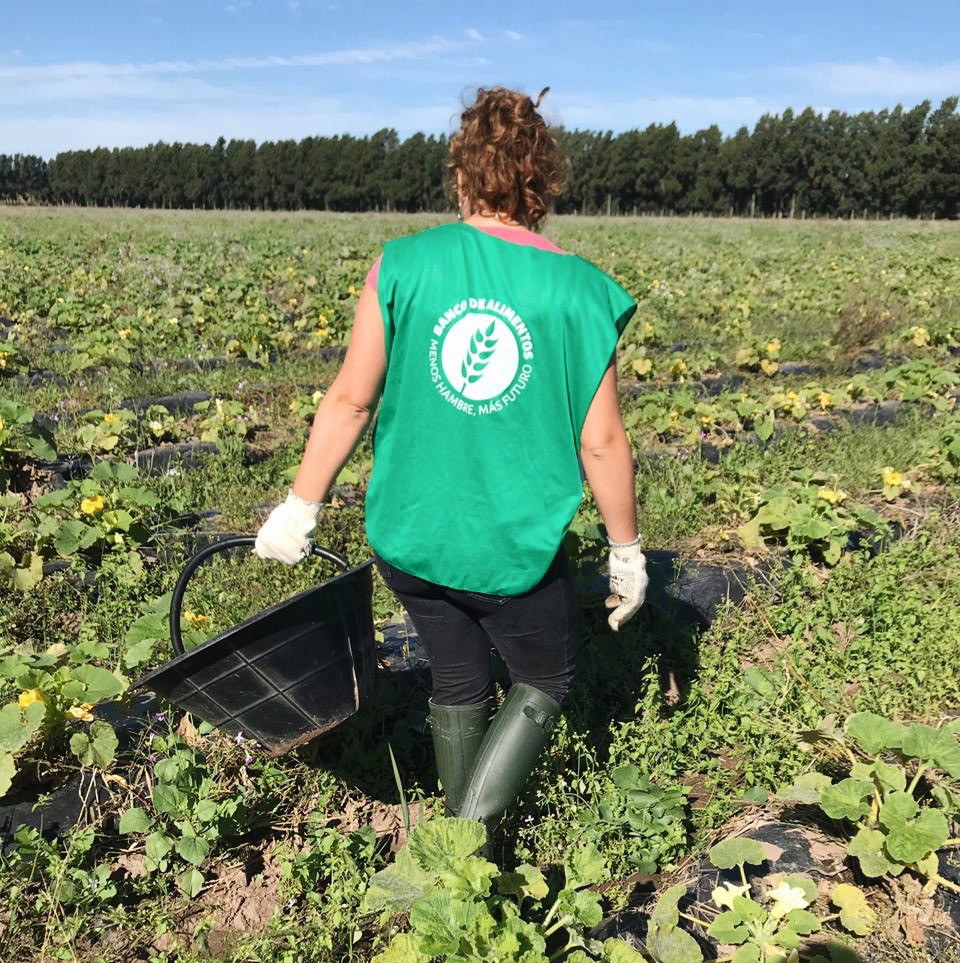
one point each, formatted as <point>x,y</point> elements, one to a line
<point>790,393</point>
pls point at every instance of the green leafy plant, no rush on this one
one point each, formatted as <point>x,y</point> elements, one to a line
<point>898,826</point>
<point>922,379</point>
<point>225,419</point>
<point>101,431</point>
<point>20,436</point>
<point>58,882</point>
<point>942,445</point>
<point>190,812</point>
<point>759,354</point>
<point>463,908</point>
<point>769,929</point>
<point>109,512</point>
<point>58,687</point>
<point>808,515</point>
<point>649,823</point>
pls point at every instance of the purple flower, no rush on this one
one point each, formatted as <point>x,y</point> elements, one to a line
<point>152,757</point>
<point>238,739</point>
<point>248,760</point>
<point>160,717</point>
<point>151,736</point>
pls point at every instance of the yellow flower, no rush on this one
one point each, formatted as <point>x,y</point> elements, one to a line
<point>317,397</point>
<point>293,301</point>
<point>195,619</point>
<point>351,290</point>
<point>109,418</point>
<point>769,367</point>
<point>81,712</point>
<point>773,346</point>
<point>919,336</point>
<point>787,898</point>
<point>3,361</point>
<point>894,479</point>
<point>723,896</point>
<point>826,400</point>
<point>92,506</point>
<point>174,321</point>
<point>124,333</point>
<point>831,495</point>
<point>28,697</point>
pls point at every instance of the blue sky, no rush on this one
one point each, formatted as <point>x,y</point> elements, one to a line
<point>129,72</point>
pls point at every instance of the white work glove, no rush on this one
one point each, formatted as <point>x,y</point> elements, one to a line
<point>285,535</point>
<point>628,581</point>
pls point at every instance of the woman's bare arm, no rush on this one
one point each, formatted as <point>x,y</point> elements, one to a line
<point>346,409</point>
<point>608,461</point>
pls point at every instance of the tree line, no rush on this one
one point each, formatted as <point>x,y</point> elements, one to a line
<point>899,162</point>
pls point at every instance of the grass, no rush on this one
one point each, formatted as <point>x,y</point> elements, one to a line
<point>719,710</point>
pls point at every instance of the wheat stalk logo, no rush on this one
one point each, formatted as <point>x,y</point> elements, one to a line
<point>480,350</point>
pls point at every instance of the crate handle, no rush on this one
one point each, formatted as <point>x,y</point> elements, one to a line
<point>176,602</point>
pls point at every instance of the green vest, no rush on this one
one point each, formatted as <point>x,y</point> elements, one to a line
<point>494,353</point>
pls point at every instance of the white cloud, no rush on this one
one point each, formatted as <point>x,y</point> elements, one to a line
<point>474,34</point>
<point>888,79</point>
<point>238,6</point>
<point>293,6</point>
<point>512,35</point>
<point>23,76</point>
<point>22,84</point>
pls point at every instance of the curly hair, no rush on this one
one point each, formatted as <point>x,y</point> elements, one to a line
<point>509,161</point>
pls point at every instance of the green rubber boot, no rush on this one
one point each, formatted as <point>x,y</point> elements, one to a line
<point>458,733</point>
<point>513,744</point>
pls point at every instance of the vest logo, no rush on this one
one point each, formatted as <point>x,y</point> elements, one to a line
<point>480,356</point>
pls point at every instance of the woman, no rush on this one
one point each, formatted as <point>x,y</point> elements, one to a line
<point>492,355</point>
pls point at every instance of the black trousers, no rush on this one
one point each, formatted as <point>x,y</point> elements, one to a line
<point>535,633</point>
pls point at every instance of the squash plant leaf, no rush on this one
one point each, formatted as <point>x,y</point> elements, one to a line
<point>867,848</point>
<point>873,733</point>
<point>8,769</point>
<point>525,881</point>
<point>584,867</point>
<point>897,810</point>
<point>915,840</point>
<point>398,886</point>
<point>16,728</point>
<point>441,920</point>
<point>806,788</point>
<point>674,946</point>
<point>666,914</point>
<point>728,928</point>
<point>616,951</point>
<point>855,914</point>
<point>437,843</point>
<point>736,851</point>
<point>925,743</point>
<point>99,683</point>
<point>847,799</point>
<point>403,948</point>
<point>99,748</point>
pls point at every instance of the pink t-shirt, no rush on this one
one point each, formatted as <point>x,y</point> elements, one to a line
<point>515,235</point>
